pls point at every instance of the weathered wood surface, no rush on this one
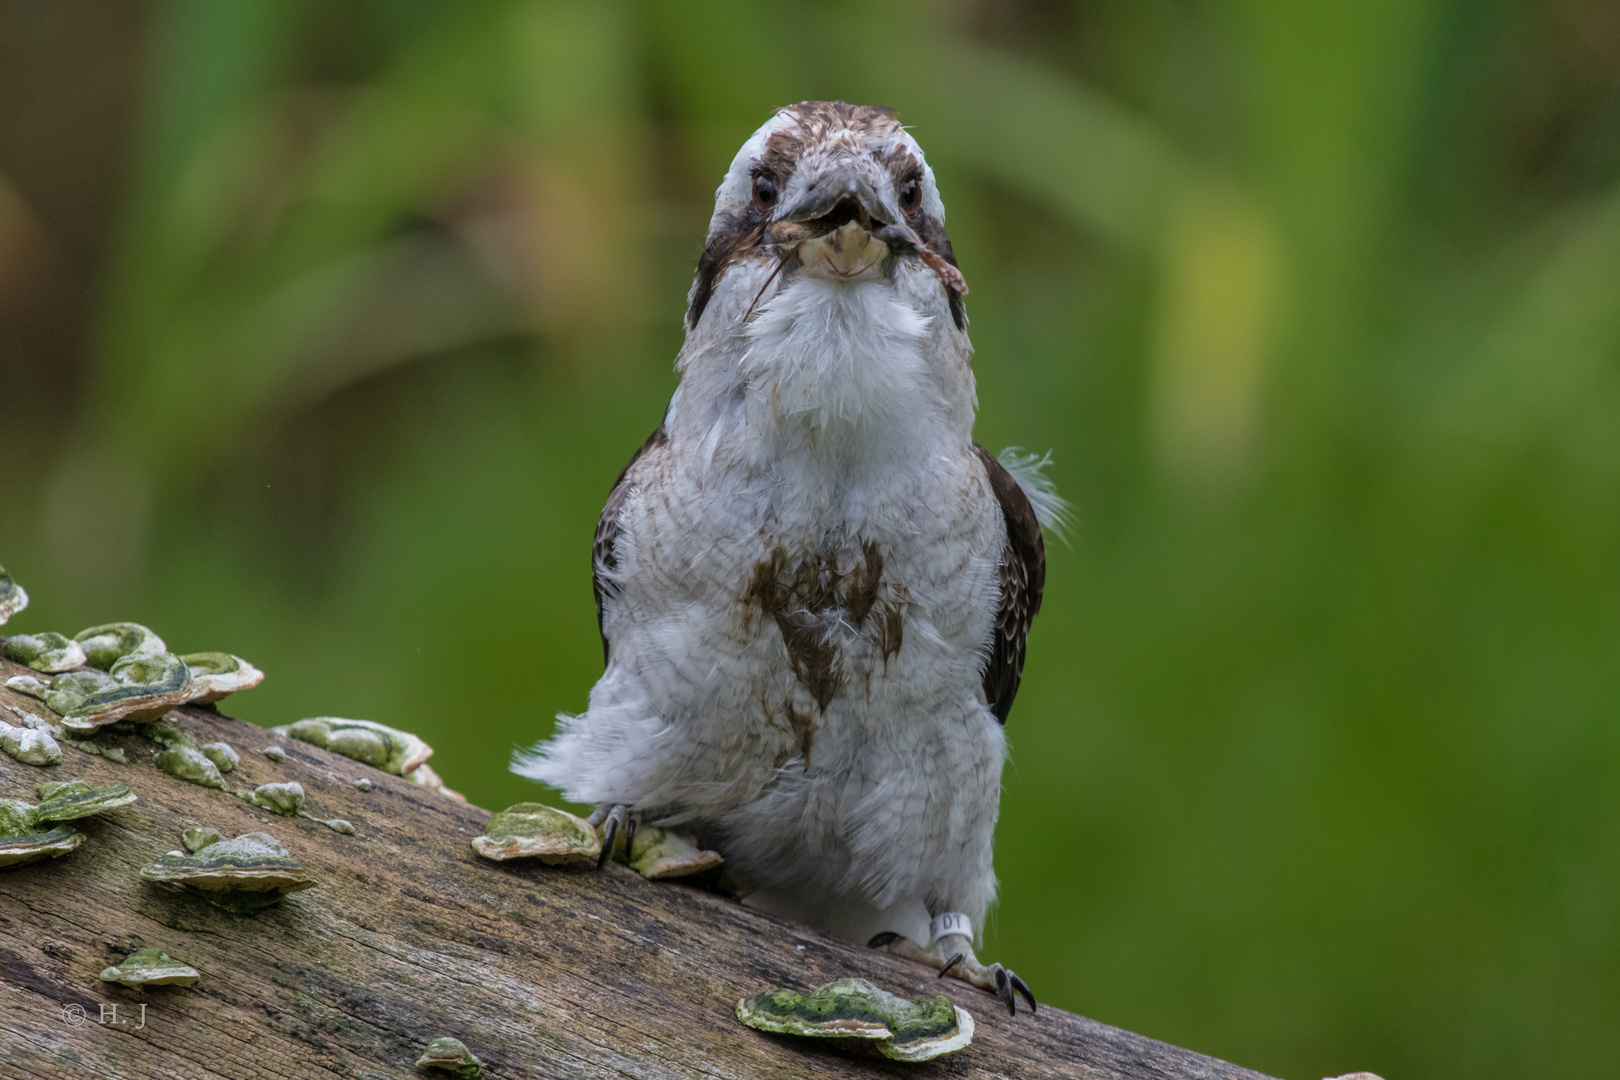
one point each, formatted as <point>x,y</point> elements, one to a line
<point>542,972</point>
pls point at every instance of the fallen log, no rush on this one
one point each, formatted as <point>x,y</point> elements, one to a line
<point>409,936</point>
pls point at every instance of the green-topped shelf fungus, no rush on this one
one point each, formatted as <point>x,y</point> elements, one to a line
<point>90,746</point>
<point>139,687</point>
<point>224,758</point>
<point>452,1056</point>
<point>28,684</point>
<point>284,799</point>
<point>386,748</point>
<point>26,719</point>
<point>534,830</point>
<point>105,645</point>
<point>22,841</point>
<point>13,597</point>
<point>661,853</point>
<point>74,799</point>
<point>150,967</point>
<point>189,764</point>
<point>424,776</point>
<point>243,876</point>
<point>49,652</point>
<point>23,848</point>
<point>215,675</point>
<point>68,691</point>
<point>924,1027</point>
<point>31,746</point>
<point>161,731</point>
<point>198,837</point>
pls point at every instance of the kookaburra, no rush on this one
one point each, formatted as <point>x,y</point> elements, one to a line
<point>813,586</point>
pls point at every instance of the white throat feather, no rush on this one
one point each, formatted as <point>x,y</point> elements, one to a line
<point>824,354</point>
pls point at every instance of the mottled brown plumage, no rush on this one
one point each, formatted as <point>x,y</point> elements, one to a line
<point>603,558</point>
<point>1023,576</point>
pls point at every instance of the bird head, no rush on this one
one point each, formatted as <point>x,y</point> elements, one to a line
<point>829,190</point>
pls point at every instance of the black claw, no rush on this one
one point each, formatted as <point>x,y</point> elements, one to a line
<point>952,962</point>
<point>630,826</point>
<point>1023,988</point>
<point>610,833</point>
<point>1004,991</point>
<point>888,937</point>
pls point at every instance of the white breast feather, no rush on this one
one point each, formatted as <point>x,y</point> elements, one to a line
<point>838,415</point>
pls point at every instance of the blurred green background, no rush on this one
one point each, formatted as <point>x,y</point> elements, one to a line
<point>324,329</point>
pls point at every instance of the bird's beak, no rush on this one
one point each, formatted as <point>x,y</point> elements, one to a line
<point>826,194</point>
<point>831,228</point>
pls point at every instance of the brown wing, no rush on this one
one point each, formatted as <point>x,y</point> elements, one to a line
<point>603,557</point>
<point>1023,576</point>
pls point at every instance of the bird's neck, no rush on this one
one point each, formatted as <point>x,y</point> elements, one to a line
<point>825,392</point>
<point>832,359</point>
<point>846,371</point>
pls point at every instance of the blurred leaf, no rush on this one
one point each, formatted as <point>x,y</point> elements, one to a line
<point>215,331</point>
<point>1043,135</point>
<point>1552,355</point>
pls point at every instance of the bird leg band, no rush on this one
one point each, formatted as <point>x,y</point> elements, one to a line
<point>947,923</point>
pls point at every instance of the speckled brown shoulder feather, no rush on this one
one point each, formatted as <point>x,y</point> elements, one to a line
<point>603,556</point>
<point>1023,576</point>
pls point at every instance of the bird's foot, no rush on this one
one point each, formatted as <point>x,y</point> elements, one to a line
<point>610,820</point>
<point>652,852</point>
<point>953,955</point>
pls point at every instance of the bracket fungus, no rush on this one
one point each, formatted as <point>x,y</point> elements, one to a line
<point>452,1056</point>
<point>534,830</point>
<point>139,687</point>
<point>661,853</point>
<point>386,748</point>
<point>30,720</point>
<point>189,764</point>
<point>90,746</point>
<point>13,597</point>
<point>224,758</point>
<point>214,675</point>
<point>288,801</point>
<point>166,734</point>
<point>243,876</point>
<point>29,685</point>
<point>49,652</point>
<point>26,832</point>
<point>197,837</point>
<point>69,690</point>
<point>105,645</point>
<point>74,799</point>
<point>424,776</point>
<point>284,799</point>
<point>924,1027</point>
<point>22,841</point>
<point>29,745</point>
<point>150,967</point>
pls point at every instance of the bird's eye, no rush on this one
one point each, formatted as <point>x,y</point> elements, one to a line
<point>911,196</point>
<point>764,192</point>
